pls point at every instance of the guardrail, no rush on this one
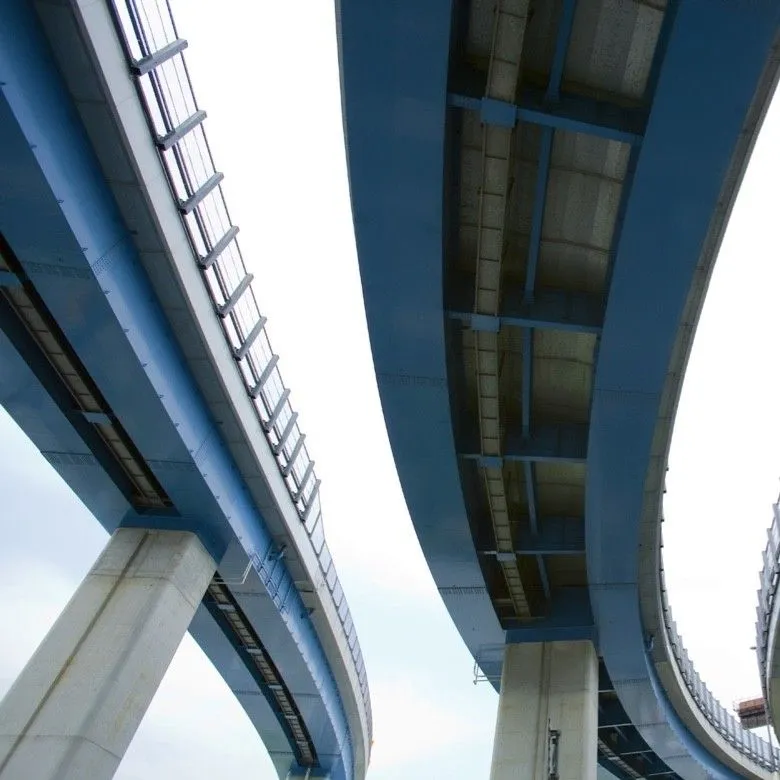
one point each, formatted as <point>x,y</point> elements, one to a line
<point>721,719</point>
<point>770,574</point>
<point>154,52</point>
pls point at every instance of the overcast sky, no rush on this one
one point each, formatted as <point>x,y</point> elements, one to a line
<point>270,86</point>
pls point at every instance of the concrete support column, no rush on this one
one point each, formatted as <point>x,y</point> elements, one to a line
<point>547,713</point>
<point>76,705</point>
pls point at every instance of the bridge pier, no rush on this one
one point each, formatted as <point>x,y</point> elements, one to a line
<point>547,713</point>
<point>75,707</point>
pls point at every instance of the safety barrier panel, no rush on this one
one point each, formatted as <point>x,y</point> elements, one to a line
<point>722,720</point>
<point>770,574</point>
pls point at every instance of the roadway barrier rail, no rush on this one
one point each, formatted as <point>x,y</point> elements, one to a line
<point>721,719</point>
<point>770,574</point>
<point>155,54</point>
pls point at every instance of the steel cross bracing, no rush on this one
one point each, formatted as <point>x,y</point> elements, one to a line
<point>602,189</point>
<point>505,53</point>
<point>525,334</point>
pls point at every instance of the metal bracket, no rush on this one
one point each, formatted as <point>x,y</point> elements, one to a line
<point>553,750</point>
<point>479,675</point>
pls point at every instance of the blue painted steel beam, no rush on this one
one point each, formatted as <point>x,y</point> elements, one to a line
<point>217,613</point>
<point>21,339</point>
<point>538,316</point>
<point>544,444</point>
<point>573,114</point>
<point>532,539</point>
<point>535,245</point>
<point>549,309</point>
<point>545,630</point>
<point>652,766</point>
<point>396,180</point>
<point>703,117</point>
<point>530,489</point>
<point>9,279</point>
<point>530,485</point>
<point>692,745</point>
<point>612,715</point>
<point>551,97</point>
<point>528,466</point>
<point>569,619</point>
<point>537,218</point>
<point>553,536</point>
<point>59,216</point>
<point>628,743</point>
<point>526,400</point>
<point>29,400</point>
<point>565,26</point>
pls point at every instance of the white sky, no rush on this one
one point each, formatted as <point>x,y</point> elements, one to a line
<point>272,94</point>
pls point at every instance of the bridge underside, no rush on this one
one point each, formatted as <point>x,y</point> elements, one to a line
<point>539,190</point>
<point>92,372</point>
<point>533,205</point>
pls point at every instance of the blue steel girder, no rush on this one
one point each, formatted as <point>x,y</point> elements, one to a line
<point>537,221</point>
<point>46,415</point>
<point>630,744</point>
<point>24,343</point>
<point>612,714</point>
<point>571,113</point>
<point>568,618</point>
<point>247,655</point>
<point>8,279</point>
<point>545,629</point>
<point>33,393</point>
<point>622,751</point>
<point>397,166</point>
<point>542,444</point>
<point>394,118</point>
<point>60,219</point>
<point>717,75</point>
<point>552,536</point>
<point>549,310</point>
<point>537,218</point>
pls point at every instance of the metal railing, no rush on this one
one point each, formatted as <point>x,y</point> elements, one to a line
<point>154,51</point>
<point>721,719</point>
<point>770,574</point>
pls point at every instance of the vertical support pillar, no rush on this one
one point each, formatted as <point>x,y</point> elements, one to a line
<point>75,707</point>
<point>547,713</point>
